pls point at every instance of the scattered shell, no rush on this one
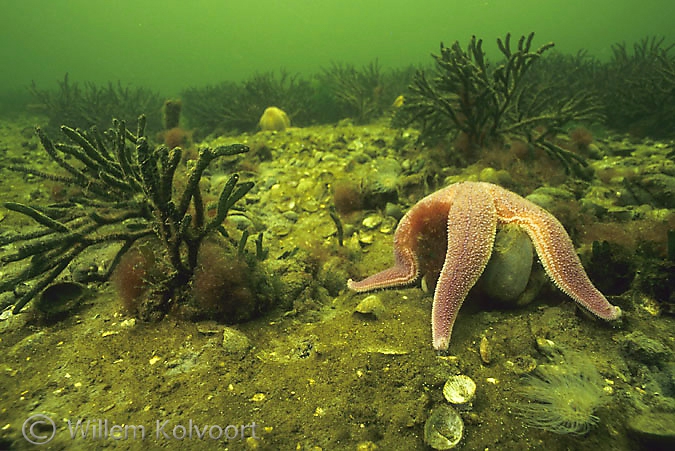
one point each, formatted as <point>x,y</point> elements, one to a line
<point>387,351</point>
<point>366,446</point>
<point>309,205</point>
<point>128,323</point>
<point>388,225</point>
<point>366,238</point>
<point>209,328</point>
<point>485,350</point>
<point>154,359</point>
<point>546,346</point>
<point>444,428</point>
<point>371,306</point>
<point>280,229</point>
<point>459,389</point>
<point>372,222</point>
<point>5,314</point>
<point>521,364</point>
<point>325,230</point>
<point>59,300</point>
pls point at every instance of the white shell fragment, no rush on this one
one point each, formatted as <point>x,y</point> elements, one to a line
<point>459,389</point>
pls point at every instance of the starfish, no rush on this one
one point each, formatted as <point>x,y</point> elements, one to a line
<point>464,217</point>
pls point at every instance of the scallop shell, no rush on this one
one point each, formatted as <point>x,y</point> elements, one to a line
<point>459,389</point>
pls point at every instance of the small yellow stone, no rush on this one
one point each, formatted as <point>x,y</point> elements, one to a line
<point>366,446</point>
<point>154,360</point>
<point>258,397</point>
<point>252,443</point>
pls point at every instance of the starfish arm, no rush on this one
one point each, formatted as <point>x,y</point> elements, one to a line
<point>406,268</point>
<point>413,225</point>
<point>472,224</point>
<point>556,253</point>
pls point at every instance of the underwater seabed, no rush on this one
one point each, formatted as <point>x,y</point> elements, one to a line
<point>327,369</point>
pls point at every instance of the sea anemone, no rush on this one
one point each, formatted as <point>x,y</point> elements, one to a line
<point>562,398</point>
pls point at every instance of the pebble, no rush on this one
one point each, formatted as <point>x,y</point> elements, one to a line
<point>508,271</point>
<point>644,349</point>
<point>235,341</point>
<point>654,429</point>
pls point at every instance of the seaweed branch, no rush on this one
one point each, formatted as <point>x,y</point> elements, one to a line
<point>128,193</point>
<point>91,104</point>
<point>466,95</point>
<point>639,88</point>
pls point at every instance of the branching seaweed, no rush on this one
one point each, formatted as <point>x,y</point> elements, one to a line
<point>88,105</point>
<point>362,94</point>
<point>237,107</point>
<point>128,193</point>
<point>358,93</point>
<point>639,88</point>
<point>466,95</point>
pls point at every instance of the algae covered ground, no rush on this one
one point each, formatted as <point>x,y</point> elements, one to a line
<point>327,369</point>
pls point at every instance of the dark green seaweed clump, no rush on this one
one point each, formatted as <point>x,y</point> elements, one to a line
<point>83,106</point>
<point>362,94</point>
<point>127,193</point>
<point>639,88</point>
<point>237,107</point>
<point>466,95</point>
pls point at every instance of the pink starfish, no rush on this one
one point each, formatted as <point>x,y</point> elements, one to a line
<point>468,214</point>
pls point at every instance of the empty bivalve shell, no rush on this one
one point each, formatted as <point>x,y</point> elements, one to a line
<point>459,389</point>
<point>444,428</point>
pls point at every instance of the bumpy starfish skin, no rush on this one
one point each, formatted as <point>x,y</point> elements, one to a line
<point>473,211</point>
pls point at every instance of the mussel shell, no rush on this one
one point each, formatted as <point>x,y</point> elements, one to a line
<point>60,299</point>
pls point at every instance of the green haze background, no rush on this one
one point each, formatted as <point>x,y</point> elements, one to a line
<point>169,45</point>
